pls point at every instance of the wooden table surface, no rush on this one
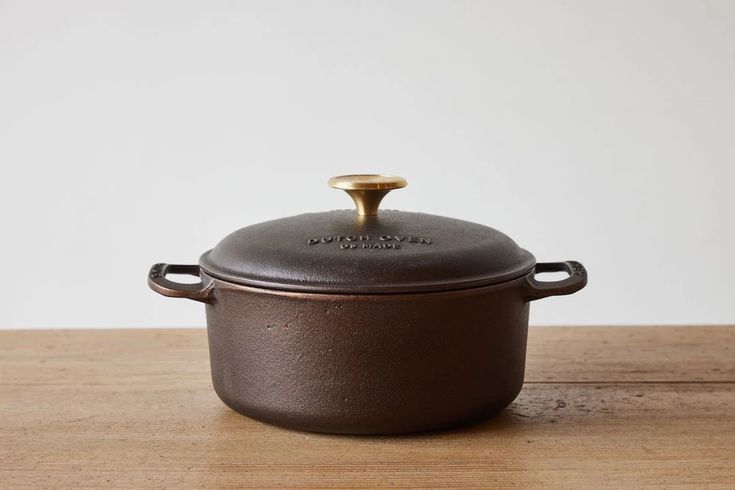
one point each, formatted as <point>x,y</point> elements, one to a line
<point>622,407</point>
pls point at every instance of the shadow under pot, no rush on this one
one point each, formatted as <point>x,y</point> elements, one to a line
<point>367,322</point>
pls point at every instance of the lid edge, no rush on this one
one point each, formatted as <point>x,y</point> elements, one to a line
<point>424,287</point>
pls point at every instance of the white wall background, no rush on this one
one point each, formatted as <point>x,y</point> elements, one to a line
<point>137,132</point>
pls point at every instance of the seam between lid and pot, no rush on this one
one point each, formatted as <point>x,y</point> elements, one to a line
<point>290,289</point>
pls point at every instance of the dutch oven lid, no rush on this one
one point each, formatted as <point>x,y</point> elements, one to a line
<point>367,252</point>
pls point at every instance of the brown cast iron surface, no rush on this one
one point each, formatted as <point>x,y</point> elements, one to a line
<point>341,252</point>
<point>368,364</point>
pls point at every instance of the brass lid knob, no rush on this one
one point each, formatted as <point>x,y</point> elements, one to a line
<point>367,190</point>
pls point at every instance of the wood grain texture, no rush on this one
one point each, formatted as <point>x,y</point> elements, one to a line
<point>617,407</point>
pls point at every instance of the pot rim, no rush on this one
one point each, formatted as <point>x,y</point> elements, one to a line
<point>437,287</point>
<point>332,295</point>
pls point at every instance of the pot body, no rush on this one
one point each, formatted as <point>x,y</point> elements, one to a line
<point>367,364</point>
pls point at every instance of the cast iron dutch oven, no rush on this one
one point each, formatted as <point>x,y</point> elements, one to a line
<point>367,322</point>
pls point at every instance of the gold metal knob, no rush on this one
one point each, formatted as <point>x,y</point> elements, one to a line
<point>367,190</point>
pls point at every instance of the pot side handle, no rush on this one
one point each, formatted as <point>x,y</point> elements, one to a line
<point>198,292</point>
<point>539,289</point>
